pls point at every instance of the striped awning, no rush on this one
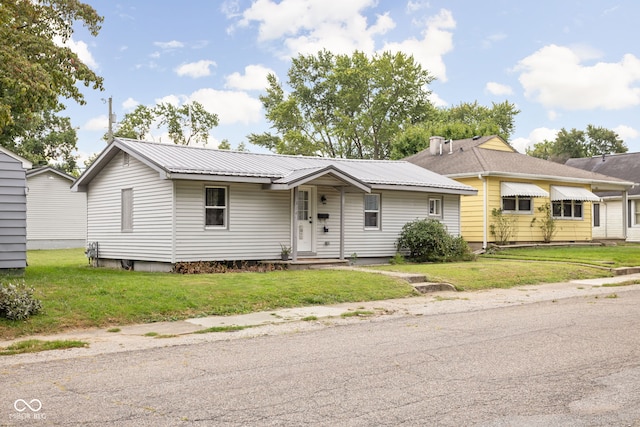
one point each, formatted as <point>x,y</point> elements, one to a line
<point>510,189</point>
<point>559,192</point>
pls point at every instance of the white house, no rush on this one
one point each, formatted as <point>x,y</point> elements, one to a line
<point>615,210</point>
<point>56,216</point>
<point>150,205</point>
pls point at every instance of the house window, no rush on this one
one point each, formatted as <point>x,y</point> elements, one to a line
<point>125,159</point>
<point>517,204</point>
<point>435,207</point>
<point>567,209</point>
<point>372,211</point>
<point>596,214</point>
<point>216,207</point>
<point>126,210</point>
<point>634,213</point>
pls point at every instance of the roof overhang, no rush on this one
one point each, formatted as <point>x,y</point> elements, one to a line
<point>303,176</point>
<point>561,192</point>
<point>511,189</point>
<point>596,184</point>
<point>39,171</point>
<point>468,191</point>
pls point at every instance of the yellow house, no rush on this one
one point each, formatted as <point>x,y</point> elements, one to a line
<point>519,187</point>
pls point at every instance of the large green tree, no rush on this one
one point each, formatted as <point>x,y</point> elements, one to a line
<point>574,143</point>
<point>465,120</point>
<point>349,106</point>
<point>185,124</point>
<point>37,71</point>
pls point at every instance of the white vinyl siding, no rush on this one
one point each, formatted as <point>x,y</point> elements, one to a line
<point>152,210</point>
<point>258,221</point>
<point>56,216</point>
<point>13,215</point>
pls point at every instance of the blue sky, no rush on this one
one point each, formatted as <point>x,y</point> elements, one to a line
<point>564,64</point>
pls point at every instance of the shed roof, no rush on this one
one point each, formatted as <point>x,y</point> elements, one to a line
<point>465,158</point>
<point>624,166</point>
<point>279,171</point>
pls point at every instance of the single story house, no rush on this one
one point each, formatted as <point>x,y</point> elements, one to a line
<point>56,216</point>
<point>13,210</point>
<point>151,205</point>
<point>518,185</point>
<point>608,215</point>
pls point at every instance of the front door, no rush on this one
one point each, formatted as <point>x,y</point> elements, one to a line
<point>305,220</point>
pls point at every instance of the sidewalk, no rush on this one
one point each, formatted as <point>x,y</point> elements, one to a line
<point>291,320</point>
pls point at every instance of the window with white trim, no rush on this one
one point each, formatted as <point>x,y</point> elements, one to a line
<point>596,214</point>
<point>435,207</point>
<point>634,213</point>
<point>372,211</point>
<point>215,207</point>
<point>126,209</point>
<point>522,204</point>
<point>567,209</point>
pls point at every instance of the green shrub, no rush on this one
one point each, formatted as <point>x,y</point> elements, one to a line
<point>17,302</point>
<point>428,240</point>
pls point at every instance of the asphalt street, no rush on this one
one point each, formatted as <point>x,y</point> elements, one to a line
<point>571,361</point>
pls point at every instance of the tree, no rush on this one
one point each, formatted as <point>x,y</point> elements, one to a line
<point>185,124</point>
<point>344,106</point>
<point>50,140</point>
<point>575,143</point>
<point>36,70</point>
<point>465,120</point>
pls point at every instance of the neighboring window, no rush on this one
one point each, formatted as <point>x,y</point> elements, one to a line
<point>372,211</point>
<point>596,214</point>
<point>517,204</point>
<point>216,207</point>
<point>567,209</point>
<point>435,207</point>
<point>635,206</point>
<point>126,209</point>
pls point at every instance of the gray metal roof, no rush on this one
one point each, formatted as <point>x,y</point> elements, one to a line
<point>466,158</point>
<point>186,162</point>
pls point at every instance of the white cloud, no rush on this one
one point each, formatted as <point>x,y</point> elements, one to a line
<point>489,41</point>
<point>97,123</point>
<point>254,78</point>
<point>174,100</point>
<point>415,6</point>
<point>173,44</point>
<point>536,135</point>
<point>307,26</point>
<point>437,40</point>
<point>195,69</point>
<point>498,89</point>
<point>81,49</point>
<point>556,77</point>
<point>129,104</point>
<point>626,132</point>
<point>230,106</point>
<point>437,101</point>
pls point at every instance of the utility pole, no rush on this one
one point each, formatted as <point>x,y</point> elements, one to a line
<point>111,120</point>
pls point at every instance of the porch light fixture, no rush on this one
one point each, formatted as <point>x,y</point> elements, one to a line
<point>323,199</point>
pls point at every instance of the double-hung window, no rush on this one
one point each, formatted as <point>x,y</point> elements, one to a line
<point>435,207</point>
<point>372,211</point>
<point>216,212</point>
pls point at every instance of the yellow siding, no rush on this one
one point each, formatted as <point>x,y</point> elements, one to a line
<point>496,144</point>
<point>472,227</point>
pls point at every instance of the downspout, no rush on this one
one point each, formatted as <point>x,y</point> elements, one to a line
<point>625,213</point>
<point>485,205</point>
<point>342,222</point>
<point>294,226</point>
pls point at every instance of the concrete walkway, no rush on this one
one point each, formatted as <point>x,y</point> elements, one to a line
<point>291,320</point>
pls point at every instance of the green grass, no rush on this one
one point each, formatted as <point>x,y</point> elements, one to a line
<point>623,255</point>
<point>497,273</point>
<point>33,346</point>
<point>75,295</point>
<point>231,328</point>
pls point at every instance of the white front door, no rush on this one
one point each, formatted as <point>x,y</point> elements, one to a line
<point>305,220</point>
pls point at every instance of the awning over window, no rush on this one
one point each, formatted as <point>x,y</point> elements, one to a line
<point>559,192</point>
<point>510,189</point>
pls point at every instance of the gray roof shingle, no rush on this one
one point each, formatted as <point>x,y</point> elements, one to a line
<point>624,166</point>
<point>465,158</point>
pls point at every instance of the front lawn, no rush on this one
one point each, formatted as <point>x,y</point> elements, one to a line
<point>621,255</point>
<point>75,295</point>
